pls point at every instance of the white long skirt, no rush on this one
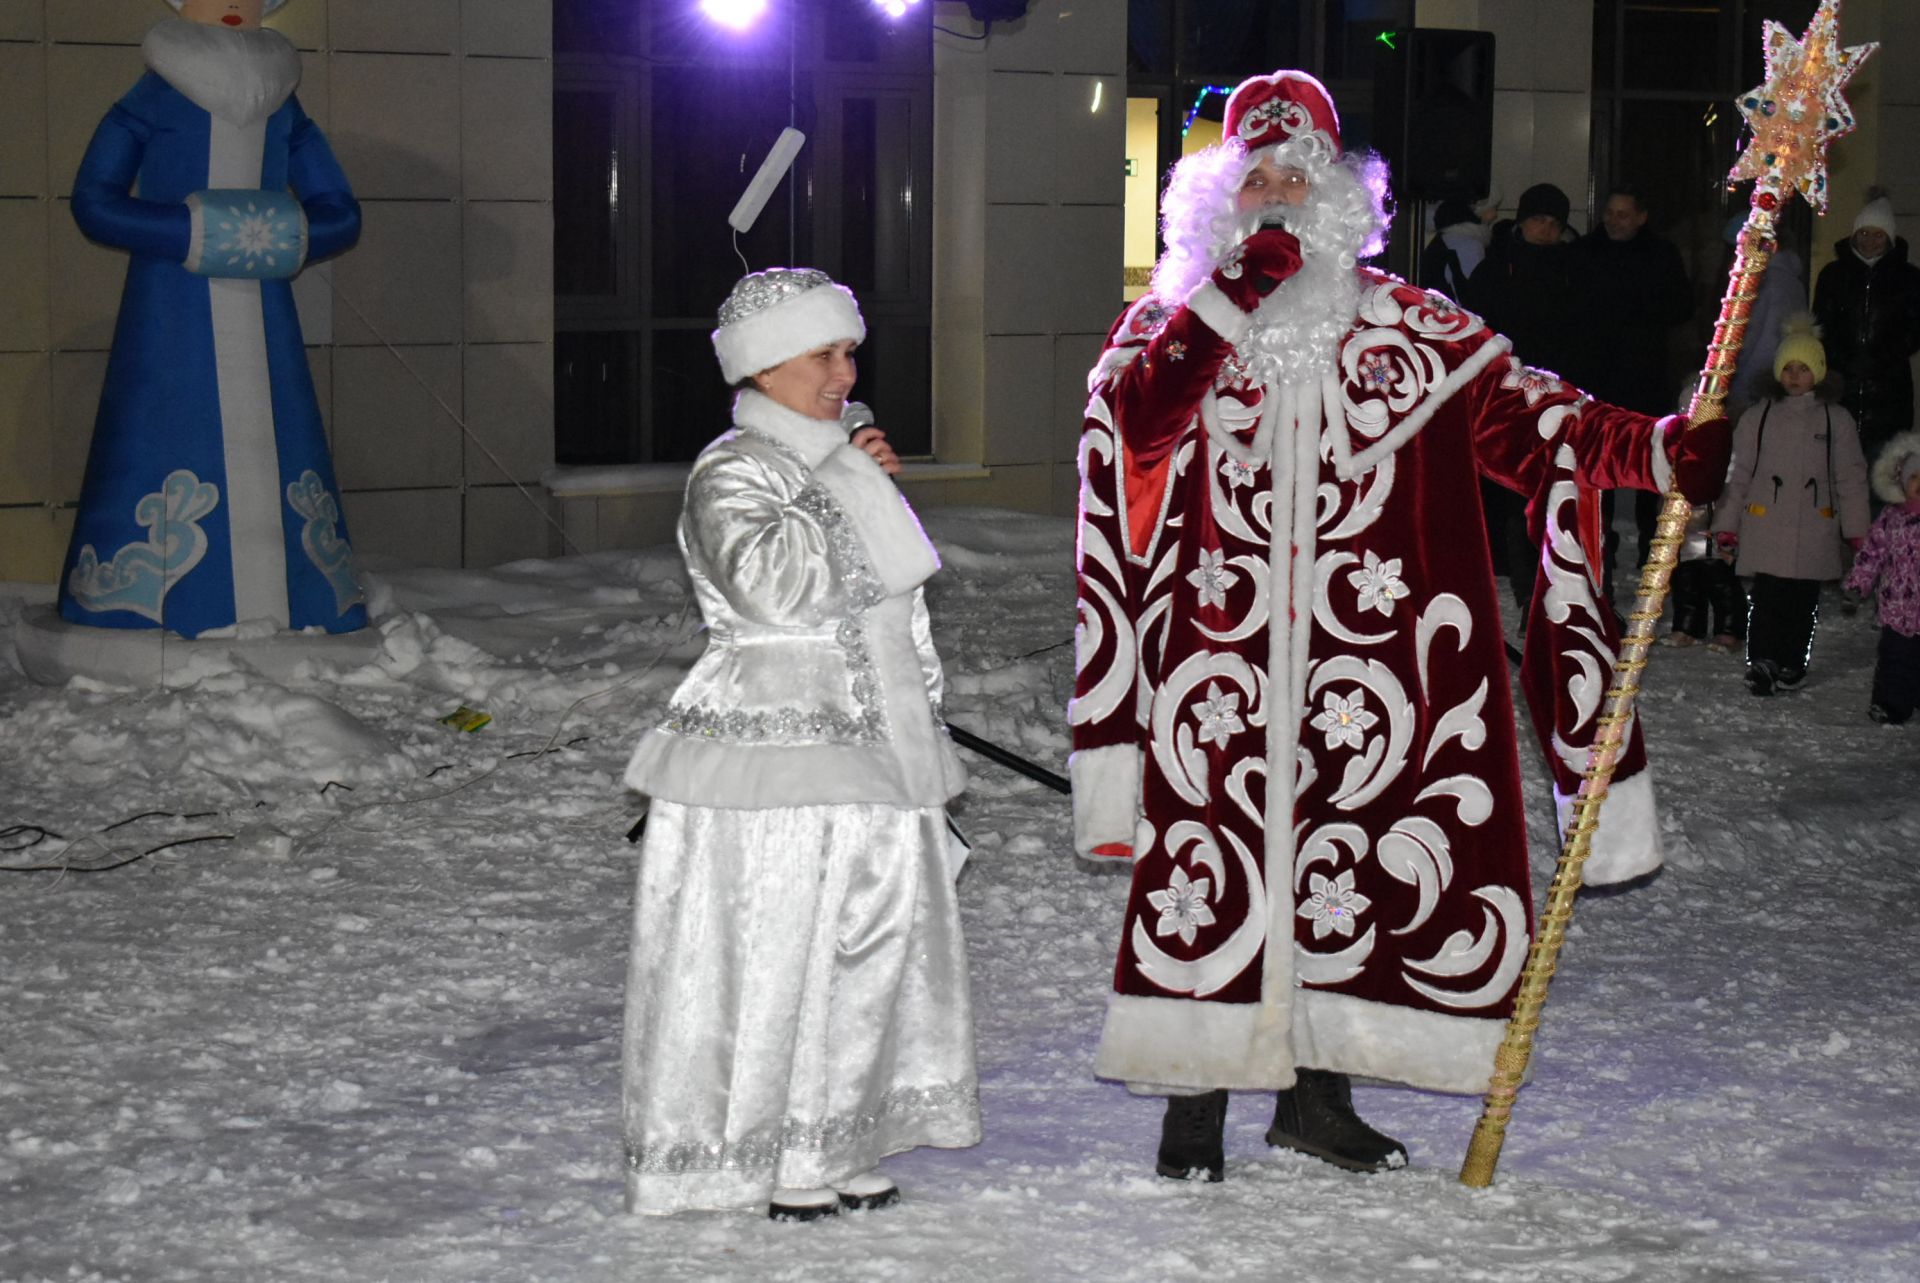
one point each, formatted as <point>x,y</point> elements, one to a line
<point>797,1003</point>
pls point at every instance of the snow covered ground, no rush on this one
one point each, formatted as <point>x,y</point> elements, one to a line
<point>373,1033</point>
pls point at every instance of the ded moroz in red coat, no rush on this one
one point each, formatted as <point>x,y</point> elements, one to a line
<point>1307,740</point>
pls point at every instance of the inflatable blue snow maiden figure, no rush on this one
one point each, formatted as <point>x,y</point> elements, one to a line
<point>209,497</point>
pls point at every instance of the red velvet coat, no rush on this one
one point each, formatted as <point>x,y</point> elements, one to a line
<point>1347,677</point>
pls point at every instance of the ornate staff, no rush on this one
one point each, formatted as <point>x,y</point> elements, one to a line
<point>1794,115</point>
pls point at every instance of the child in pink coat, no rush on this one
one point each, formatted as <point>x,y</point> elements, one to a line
<point>1889,567</point>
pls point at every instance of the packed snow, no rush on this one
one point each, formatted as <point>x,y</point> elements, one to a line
<point>367,1027</point>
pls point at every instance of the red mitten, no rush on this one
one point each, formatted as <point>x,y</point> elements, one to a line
<point>1256,265</point>
<point>1700,456</point>
<point>1728,541</point>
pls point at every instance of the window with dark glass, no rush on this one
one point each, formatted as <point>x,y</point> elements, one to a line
<point>661,118</point>
<point>1665,75</point>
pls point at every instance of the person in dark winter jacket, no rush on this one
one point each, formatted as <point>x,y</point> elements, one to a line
<point>1640,292</point>
<point>1532,287</point>
<point>1889,567</point>
<point>1868,304</point>
<point>1796,493</point>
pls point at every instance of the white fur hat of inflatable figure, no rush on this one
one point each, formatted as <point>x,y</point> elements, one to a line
<point>1899,459</point>
<point>266,6</point>
<point>1267,110</point>
<point>777,314</point>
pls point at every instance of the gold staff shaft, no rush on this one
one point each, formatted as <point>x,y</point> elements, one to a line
<point>1710,395</point>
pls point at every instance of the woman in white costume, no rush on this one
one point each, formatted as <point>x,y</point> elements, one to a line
<point>797,1003</point>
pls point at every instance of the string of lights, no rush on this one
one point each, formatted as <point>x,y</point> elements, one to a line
<point>1200,101</point>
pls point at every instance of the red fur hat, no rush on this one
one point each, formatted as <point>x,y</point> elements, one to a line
<point>1266,110</point>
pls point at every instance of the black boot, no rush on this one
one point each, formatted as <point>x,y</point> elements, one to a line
<point>1192,1136</point>
<point>1316,1117</point>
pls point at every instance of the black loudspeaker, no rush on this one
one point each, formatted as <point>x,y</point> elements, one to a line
<point>1433,123</point>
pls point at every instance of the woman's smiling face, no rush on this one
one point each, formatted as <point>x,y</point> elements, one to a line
<point>815,383</point>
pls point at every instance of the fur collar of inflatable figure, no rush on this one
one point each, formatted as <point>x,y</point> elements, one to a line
<point>240,77</point>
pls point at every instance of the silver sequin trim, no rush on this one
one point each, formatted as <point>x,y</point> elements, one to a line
<point>786,725</point>
<point>763,290</point>
<point>844,548</point>
<point>762,1149</point>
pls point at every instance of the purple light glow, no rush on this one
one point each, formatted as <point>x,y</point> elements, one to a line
<point>736,14</point>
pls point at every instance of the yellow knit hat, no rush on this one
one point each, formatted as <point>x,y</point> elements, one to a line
<point>1800,341</point>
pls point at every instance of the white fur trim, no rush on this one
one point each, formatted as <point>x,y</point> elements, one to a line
<point>825,314</point>
<point>1663,466</point>
<point>1626,845</point>
<point>1172,1046</point>
<point>196,235</point>
<point>899,549</point>
<point>1196,1046</point>
<point>1423,1049</point>
<point>241,77</point>
<point>812,439</point>
<point>1106,796</point>
<point>1219,312</point>
<point>1903,450</point>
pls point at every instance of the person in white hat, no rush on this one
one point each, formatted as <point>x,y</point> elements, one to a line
<point>1291,712</point>
<point>797,1004</point>
<point>1868,304</point>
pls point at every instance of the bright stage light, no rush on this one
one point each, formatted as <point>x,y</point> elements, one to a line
<point>737,14</point>
<point>895,9</point>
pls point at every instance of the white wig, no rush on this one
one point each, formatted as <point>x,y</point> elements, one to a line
<point>1345,214</point>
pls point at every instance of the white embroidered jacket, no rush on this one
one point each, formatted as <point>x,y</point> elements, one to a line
<point>820,683</point>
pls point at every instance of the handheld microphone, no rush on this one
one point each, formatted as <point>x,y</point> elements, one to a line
<point>856,415</point>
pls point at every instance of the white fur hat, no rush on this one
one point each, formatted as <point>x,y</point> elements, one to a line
<point>773,315</point>
<point>268,7</point>
<point>1899,459</point>
<point>1877,212</point>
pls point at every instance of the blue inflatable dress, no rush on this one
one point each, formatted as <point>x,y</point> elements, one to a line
<point>209,497</point>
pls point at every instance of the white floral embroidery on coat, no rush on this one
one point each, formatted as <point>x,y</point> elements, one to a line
<point>1333,905</point>
<point>1531,383</point>
<point>1219,715</point>
<point>1379,583</point>
<point>1238,474</point>
<point>1212,578</point>
<point>1346,721</point>
<point>1183,906</point>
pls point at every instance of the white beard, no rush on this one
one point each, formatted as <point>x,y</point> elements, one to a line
<point>1297,329</point>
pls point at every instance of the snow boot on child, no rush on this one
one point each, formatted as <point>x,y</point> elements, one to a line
<point>1193,1136</point>
<point>1316,1117</point>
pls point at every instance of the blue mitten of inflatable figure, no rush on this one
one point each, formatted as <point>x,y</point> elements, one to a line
<point>246,234</point>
